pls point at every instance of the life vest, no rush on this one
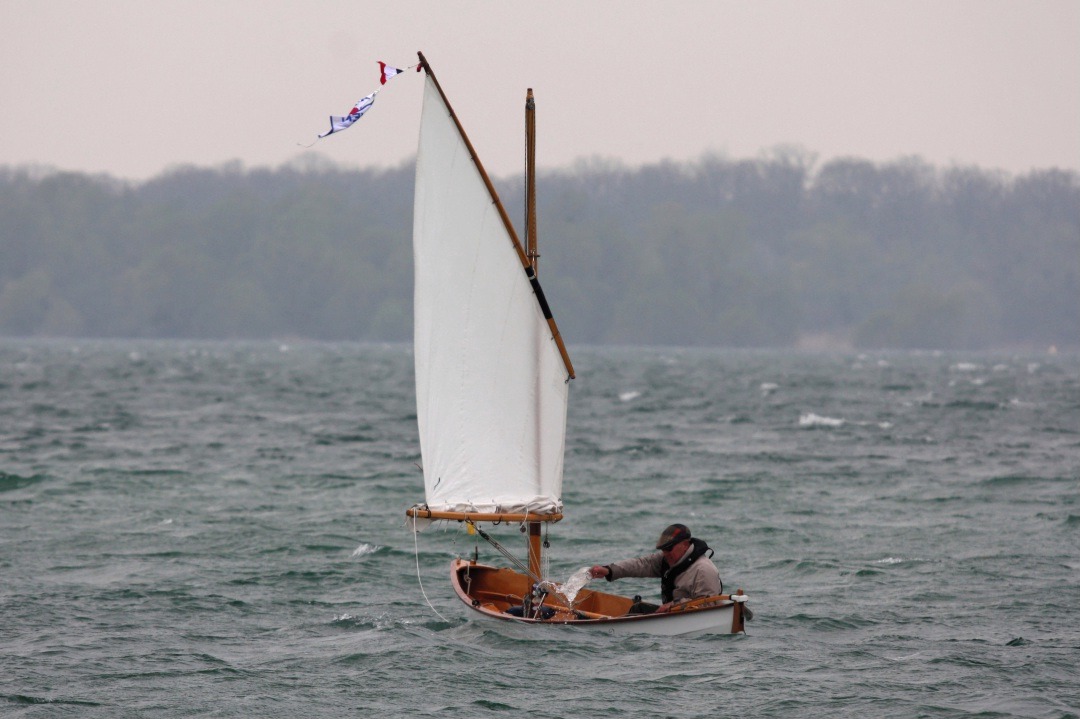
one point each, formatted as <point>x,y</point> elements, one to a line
<point>668,574</point>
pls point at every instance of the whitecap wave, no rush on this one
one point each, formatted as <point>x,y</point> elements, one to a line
<point>813,420</point>
<point>364,550</point>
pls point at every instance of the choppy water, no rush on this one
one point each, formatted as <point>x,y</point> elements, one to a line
<point>217,530</point>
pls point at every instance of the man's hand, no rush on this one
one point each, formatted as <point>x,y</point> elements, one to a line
<point>597,571</point>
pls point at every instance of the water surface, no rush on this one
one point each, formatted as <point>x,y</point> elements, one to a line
<point>210,529</point>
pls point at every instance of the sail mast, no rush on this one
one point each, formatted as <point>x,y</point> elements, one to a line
<point>535,546</point>
<point>530,181</point>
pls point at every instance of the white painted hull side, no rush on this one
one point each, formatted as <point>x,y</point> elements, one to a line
<point>688,624</point>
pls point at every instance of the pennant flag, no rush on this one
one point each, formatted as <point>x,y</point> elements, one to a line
<point>339,123</point>
<point>387,72</point>
<point>344,122</point>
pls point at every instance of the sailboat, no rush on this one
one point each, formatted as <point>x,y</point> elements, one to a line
<point>492,377</point>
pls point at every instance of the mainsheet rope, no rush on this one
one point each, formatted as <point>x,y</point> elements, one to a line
<point>416,555</point>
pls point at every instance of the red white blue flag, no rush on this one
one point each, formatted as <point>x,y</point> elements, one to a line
<point>344,122</point>
<point>386,72</point>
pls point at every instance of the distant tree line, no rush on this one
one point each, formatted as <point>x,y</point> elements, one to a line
<point>719,252</point>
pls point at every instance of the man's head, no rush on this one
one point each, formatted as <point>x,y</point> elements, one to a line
<point>672,536</point>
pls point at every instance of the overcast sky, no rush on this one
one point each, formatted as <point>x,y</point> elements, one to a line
<point>134,87</point>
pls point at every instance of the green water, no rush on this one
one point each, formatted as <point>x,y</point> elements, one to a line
<point>216,530</point>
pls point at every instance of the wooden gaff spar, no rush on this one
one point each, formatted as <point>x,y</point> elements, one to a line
<point>492,376</point>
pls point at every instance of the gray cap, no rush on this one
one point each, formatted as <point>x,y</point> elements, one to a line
<point>672,536</point>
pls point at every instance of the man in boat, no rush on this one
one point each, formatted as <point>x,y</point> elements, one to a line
<point>683,564</point>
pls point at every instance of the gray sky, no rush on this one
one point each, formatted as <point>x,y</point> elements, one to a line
<point>133,87</point>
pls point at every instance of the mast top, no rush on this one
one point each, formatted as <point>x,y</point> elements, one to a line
<point>530,181</point>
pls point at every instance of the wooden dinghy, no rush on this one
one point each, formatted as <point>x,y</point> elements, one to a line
<point>494,592</point>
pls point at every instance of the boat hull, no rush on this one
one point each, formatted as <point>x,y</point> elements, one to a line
<point>491,591</point>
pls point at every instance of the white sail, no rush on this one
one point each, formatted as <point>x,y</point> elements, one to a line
<point>491,385</point>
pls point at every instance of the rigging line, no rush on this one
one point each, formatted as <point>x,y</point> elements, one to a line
<point>506,553</point>
<point>416,554</point>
